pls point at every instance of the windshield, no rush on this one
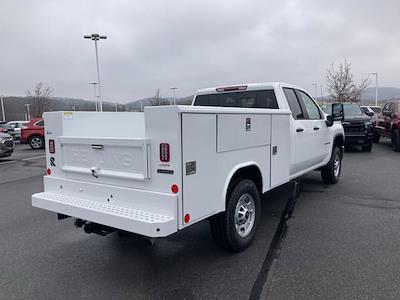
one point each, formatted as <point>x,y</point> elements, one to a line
<point>376,109</point>
<point>352,110</point>
<point>349,109</point>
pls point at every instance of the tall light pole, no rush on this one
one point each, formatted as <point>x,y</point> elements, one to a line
<point>173,93</point>
<point>316,90</point>
<point>2,109</point>
<point>322,97</point>
<point>96,37</point>
<point>94,90</point>
<point>376,87</point>
<point>28,111</point>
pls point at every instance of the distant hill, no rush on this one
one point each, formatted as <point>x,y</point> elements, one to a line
<point>137,105</point>
<point>384,94</point>
<point>15,107</point>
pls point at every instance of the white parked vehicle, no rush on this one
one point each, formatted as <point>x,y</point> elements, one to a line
<point>14,128</point>
<point>173,166</point>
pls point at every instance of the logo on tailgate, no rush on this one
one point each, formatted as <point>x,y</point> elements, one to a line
<point>112,158</point>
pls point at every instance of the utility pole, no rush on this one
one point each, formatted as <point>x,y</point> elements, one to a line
<point>96,37</point>
<point>173,93</point>
<point>322,97</point>
<point>28,111</point>
<point>2,109</point>
<point>376,87</point>
<point>94,90</point>
<point>316,90</point>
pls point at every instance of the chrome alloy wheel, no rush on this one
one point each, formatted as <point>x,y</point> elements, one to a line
<point>336,165</point>
<point>36,142</point>
<point>245,215</point>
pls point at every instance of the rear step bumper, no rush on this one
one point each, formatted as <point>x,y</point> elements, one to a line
<point>133,220</point>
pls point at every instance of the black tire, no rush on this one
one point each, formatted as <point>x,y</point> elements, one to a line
<point>396,140</point>
<point>329,173</point>
<point>376,137</point>
<point>36,142</point>
<point>223,226</point>
<point>367,148</point>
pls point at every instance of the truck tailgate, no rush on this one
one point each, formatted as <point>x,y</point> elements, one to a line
<point>99,159</point>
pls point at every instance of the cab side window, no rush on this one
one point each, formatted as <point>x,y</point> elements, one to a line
<point>294,105</point>
<point>40,123</point>
<point>313,112</point>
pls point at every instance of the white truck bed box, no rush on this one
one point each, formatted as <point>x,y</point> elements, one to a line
<point>107,169</point>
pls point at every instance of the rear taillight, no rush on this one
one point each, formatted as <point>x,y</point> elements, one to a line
<point>52,147</point>
<point>164,152</point>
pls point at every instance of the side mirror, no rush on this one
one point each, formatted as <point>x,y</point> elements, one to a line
<point>337,114</point>
<point>369,113</point>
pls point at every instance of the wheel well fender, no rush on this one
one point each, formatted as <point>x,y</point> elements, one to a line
<point>248,170</point>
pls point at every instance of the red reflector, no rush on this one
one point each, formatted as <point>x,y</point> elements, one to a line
<point>187,218</point>
<point>174,189</point>
<point>164,152</point>
<point>232,88</point>
<point>49,171</point>
<point>52,147</point>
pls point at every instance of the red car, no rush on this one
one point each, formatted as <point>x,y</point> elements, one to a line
<point>33,134</point>
<point>389,124</point>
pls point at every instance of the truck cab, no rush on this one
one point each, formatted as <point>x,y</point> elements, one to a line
<point>311,136</point>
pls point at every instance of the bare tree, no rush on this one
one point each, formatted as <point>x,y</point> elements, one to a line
<point>156,100</point>
<point>341,85</point>
<point>40,96</point>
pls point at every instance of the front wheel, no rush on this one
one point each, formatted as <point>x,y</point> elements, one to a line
<point>235,228</point>
<point>330,173</point>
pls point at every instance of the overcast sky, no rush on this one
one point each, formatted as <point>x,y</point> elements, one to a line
<point>192,44</point>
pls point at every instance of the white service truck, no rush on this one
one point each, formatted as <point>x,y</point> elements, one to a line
<point>172,166</point>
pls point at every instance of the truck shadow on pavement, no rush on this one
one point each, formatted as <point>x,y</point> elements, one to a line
<point>186,265</point>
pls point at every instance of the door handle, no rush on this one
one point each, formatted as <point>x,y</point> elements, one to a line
<point>316,128</point>
<point>299,129</point>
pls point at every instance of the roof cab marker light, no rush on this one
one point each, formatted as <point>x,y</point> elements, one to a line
<point>52,148</point>
<point>232,88</point>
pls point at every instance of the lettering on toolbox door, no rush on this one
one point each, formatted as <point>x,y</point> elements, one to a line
<point>118,159</point>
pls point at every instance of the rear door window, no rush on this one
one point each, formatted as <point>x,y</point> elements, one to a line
<point>294,104</point>
<point>248,99</point>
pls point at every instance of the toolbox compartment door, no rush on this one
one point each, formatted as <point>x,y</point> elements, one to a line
<point>102,160</point>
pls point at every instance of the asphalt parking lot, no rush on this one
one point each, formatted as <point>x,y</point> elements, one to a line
<point>341,241</point>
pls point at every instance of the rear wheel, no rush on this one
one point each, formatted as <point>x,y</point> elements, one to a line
<point>367,148</point>
<point>235,228</point>
<point>396,140</point>
<point>36,142</point>
<point>330,173</point>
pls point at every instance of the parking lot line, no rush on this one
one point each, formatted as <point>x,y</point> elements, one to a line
<point>31,158</point>
<point>6,162</point>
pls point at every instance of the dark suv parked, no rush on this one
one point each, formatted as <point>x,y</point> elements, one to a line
<point>388,124</point>
<point>358,129</point>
